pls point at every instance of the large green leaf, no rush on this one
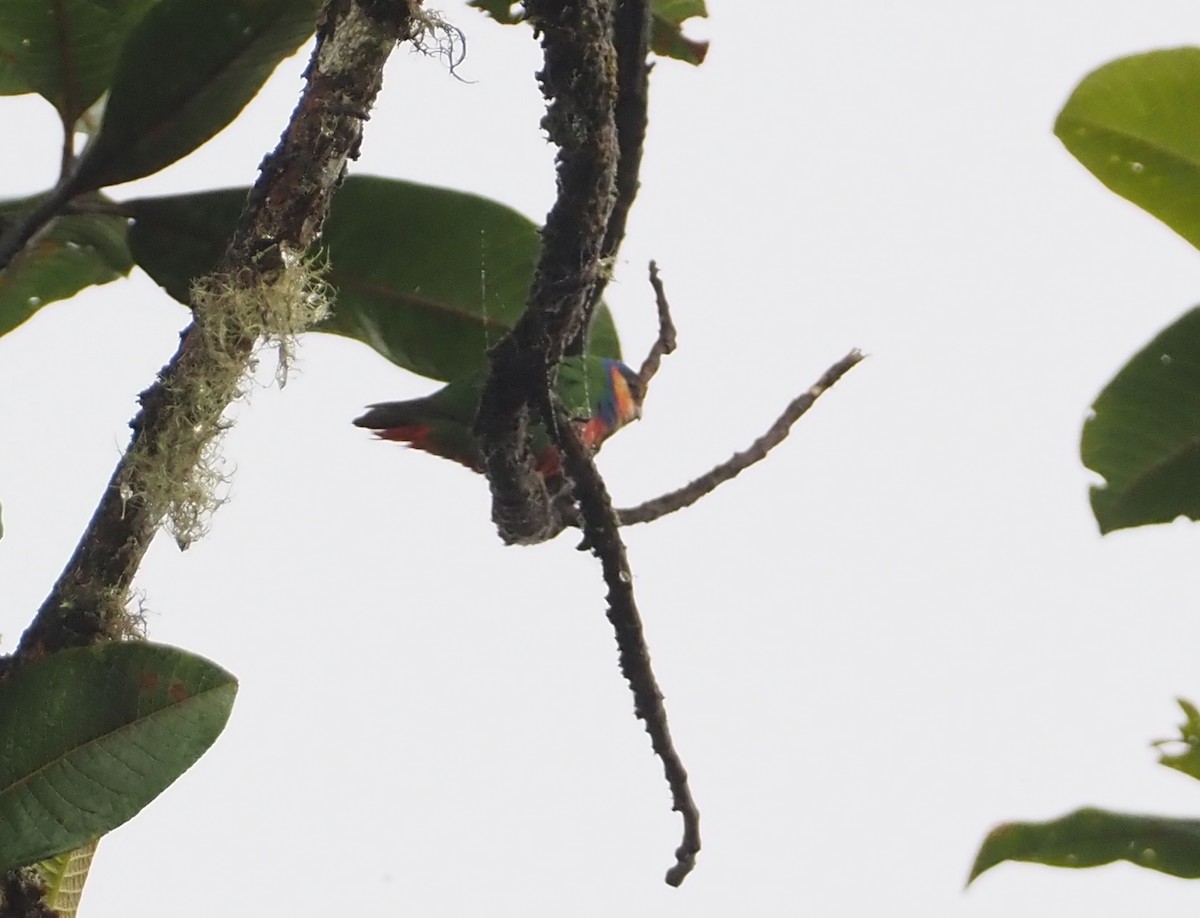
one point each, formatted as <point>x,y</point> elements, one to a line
<point>667,18</point>
<point>13,81</point>
<point>77,251</point>
<point>1133,124</point>
<point>89,736</point>
<point>427,276</point>
<point>66,50</point>
<point>432,277</point>
<point>1144,435</point>
<point>1091,837</point>
<point>185,72</point>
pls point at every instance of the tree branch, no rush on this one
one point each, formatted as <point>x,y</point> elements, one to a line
<point>14,239</point>
<point>579,80</point>
<point>601,534</point>
<point>23,895</point>
<point>739,462</point>
<point>665,342</point>
<point>181,412</point>
<point>631,39</point>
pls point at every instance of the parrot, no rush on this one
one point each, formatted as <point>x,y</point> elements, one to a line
<point>601,394</point>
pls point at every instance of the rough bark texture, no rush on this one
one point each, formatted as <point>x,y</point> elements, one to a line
<point>579,81</point>
<point>631,38</point>
<point>22,895</point>
<point>602,535</point>
<point>282,218</point>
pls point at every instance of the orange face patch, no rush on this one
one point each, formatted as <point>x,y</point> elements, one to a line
<point>628,407</point>
<point>625,409</point>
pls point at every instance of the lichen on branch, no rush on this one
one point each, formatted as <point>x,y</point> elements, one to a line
<point>262,289</point>
<point>178,473</point>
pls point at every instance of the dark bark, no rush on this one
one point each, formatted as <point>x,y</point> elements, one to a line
<point>580,81</point>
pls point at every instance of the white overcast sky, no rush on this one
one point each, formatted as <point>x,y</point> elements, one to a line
<point>899,630</point>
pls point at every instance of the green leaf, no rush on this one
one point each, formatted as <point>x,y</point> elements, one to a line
<point>1187,759</point>
<point>64,876</point>
<point>178,238</point>
<point>65,51</point>
<point>1132,123</point>
<point>13,81</point>
<point>431,277</point>
<point>500,10</point>
<point>89,736</point>
<point>666,35</point>
<point>12,77</point>
<point>1144,434</point>
<point>1091,837</point>
<point>427,276</point>
<point>185,72</point>
<point>77,251</point>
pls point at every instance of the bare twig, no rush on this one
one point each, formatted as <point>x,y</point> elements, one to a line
<point>739,462</point>
<point>601,533</point>
<point>55,202</point>
<point>283,217</point>
<point>18,235</point>
<point>67,159</point>
<point>665,342</point>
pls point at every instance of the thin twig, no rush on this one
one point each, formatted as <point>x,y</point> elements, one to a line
<point>602,535</point>
<point>739,462</point>
<point>665,342</point>
<point>17,236</point>
<point>283,217</point>
<point>67,159</point>
<point>56,202</point>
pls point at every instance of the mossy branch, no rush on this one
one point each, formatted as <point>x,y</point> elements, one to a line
<point>263,288</point>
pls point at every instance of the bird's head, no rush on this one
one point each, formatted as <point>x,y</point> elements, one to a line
<point>620,404</point>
